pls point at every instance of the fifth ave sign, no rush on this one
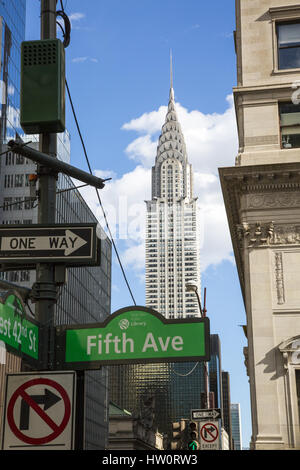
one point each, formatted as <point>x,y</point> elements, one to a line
<point>68,244</point>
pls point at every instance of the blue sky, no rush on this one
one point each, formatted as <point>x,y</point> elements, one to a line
<point>118,74</point>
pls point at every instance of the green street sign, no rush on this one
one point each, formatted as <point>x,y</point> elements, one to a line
<point>133,335</point>
<point>20,335</point>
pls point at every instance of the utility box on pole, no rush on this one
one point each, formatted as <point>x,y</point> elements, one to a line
<point>43,86</point>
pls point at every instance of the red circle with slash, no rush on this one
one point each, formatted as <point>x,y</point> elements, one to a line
<point>209,433</point>
<point>57,429</point>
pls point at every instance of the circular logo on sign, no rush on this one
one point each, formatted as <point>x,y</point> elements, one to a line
<point>124,324</point>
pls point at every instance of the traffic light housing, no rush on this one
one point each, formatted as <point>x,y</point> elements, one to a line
<point>178,429</point>
<point>42,86</point>
<point>193,442</point>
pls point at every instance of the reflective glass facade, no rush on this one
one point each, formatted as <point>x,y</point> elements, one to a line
<point>12,33</point>
<point>226,404</point>
<point>173,387</point>
<point>85,298</point>
<point>215,371</point>
<point>236,426</point>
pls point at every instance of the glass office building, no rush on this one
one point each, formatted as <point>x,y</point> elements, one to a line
<point>226,405</point>
<point>236,426</point>
<point>85,298</point>
<point>215,371</point>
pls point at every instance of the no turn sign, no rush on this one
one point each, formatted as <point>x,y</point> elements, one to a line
<point>209,435</point>
<point>39,411</point>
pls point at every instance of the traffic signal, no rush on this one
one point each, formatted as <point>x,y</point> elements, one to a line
<point>42,86</point>
<point>193,443</point>
<point>178,429</point>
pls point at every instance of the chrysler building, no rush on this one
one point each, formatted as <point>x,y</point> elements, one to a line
<point>172,241</point>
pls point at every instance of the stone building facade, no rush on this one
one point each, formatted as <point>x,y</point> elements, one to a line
<point>262,199</point>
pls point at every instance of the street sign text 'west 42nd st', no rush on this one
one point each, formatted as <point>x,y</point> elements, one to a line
<point>132,335</point>
<point>69,244</point>
<point>19,333</point>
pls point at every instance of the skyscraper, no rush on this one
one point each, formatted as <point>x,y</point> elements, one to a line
<point>215,372</point>
<point>236,425</point>
<point>172,259</point>
<point>172,241</point>
<point>226,405</point>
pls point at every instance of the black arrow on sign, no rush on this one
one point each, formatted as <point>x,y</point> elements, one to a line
<point>209,431</point>
<point>49,399</point>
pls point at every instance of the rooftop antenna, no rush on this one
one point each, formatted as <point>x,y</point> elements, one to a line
<point>171,69</point>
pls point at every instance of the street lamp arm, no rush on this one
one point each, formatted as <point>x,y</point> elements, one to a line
<point>199,303</point>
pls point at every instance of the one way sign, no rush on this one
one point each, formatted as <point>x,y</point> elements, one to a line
<point>72,244</point>
<point>210,413</point>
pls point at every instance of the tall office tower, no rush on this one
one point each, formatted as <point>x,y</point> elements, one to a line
<point>172,259</point>
<point>226,405</point>
<point>172,242</point>
<point>261,195</point>
<point>236,426</point>
<point>215,372</point>
<point>85,298</point>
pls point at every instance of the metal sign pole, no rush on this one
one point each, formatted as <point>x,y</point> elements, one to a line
<point>45,272</point>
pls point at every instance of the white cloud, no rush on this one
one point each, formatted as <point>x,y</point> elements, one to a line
<point>149,123</point>
<point>76,16</point>
<point>211,141</point>
<point>143,150</point>
<point>84,59</point>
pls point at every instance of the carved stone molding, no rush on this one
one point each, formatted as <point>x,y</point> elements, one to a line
<point>288,234</point>
<point>255,187</point>
<point>246,359</point>
<point>271,200</point>
<point>268,233</point>
<point>255,234</point>
<point>279,278</point>
<point>290,350</point>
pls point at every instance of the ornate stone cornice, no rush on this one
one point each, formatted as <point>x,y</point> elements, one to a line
<point>265,234</point>
<point>255,234</point>
<point>260,188</point>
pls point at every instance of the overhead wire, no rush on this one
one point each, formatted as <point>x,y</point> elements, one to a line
<point>98,195</point>
<point>66,34</point>
<point>188,373</point>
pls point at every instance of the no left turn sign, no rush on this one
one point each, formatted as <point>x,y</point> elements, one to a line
<point>39,411</point>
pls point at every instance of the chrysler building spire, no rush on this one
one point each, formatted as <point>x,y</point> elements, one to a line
<point>171,150</point>
<point>171,71</point>
<point>172,245</point>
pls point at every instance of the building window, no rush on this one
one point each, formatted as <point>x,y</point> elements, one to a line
<point>19,181</point>
<point>7,206</point>
<point>10,158</point>
<point>8,181</point>
<point>289,114</point>
<point>288,40</point>
<point>20,160</point>
<point>19,203</point>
